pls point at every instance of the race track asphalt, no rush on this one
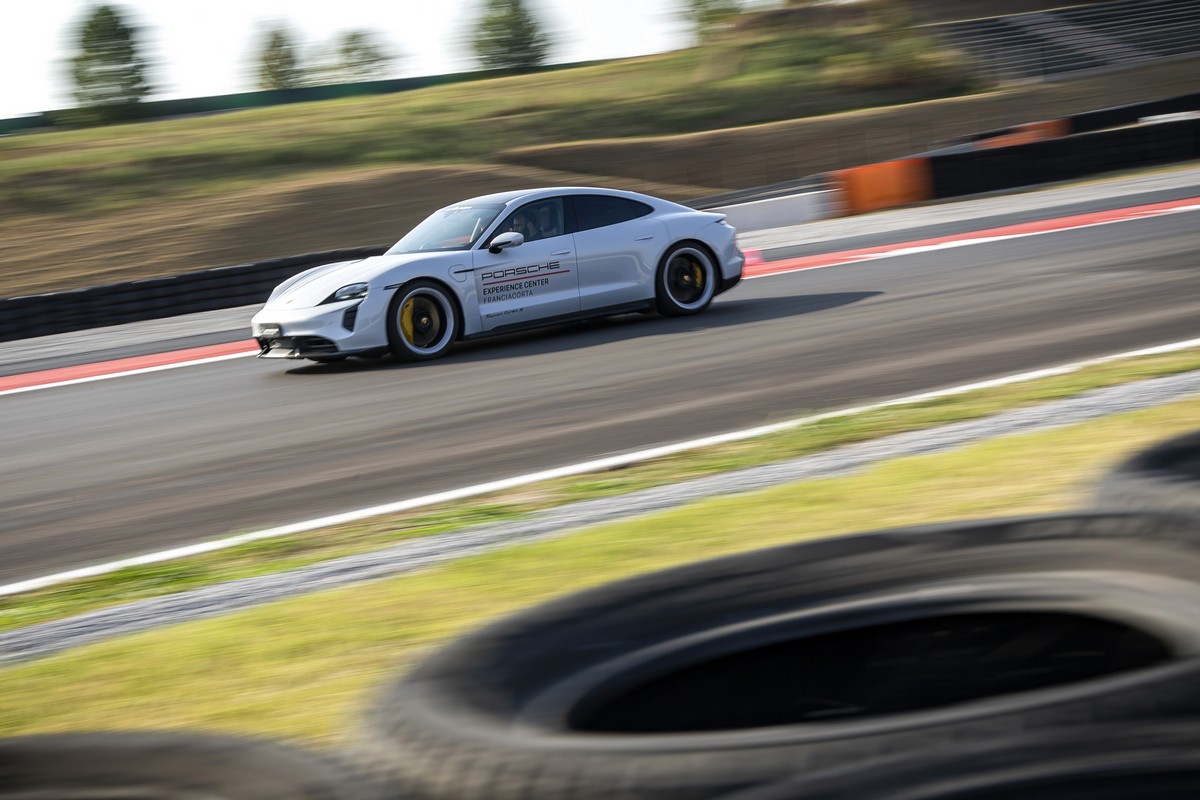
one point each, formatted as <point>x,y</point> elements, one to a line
<point>126,466</point>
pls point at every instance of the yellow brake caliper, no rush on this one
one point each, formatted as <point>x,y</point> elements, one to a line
<point>406,320</point>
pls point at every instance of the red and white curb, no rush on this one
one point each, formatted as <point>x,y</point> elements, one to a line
<point>157,362</point>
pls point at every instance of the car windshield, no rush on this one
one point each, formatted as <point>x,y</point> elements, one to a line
<point>451,228</point>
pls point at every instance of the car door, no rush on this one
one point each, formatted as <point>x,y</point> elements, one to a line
<point>617,242</point>
<point>533,281</point>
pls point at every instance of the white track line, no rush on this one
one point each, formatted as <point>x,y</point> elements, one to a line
<point>594,465</point>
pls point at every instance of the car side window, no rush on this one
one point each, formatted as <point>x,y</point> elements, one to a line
<point>541,219</point>
<point>598,211</point>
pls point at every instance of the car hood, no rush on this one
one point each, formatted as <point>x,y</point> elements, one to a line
<point>313,287</point>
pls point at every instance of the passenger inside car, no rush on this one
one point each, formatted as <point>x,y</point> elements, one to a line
<point>547,221</point>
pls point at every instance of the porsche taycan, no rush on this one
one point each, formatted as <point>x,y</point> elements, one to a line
<point>502,263</point>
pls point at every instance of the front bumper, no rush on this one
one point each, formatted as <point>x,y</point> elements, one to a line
<point>333,329</point>
<point>296,347</point>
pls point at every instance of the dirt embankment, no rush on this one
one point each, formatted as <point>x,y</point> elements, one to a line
<point>736,158</point>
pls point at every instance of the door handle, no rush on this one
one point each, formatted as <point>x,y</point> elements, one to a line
<point>561,253</point>
<point>644,238</point>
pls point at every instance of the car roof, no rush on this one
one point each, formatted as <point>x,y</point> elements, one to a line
<point>554,191</point>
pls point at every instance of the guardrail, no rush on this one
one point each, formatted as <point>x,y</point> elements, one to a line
<point>781,212</point>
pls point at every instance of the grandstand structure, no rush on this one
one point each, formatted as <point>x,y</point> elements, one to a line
<point>1044,44</point>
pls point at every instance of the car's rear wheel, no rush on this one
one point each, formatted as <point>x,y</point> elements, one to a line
<point>686,281</point>
<point>423,321</point>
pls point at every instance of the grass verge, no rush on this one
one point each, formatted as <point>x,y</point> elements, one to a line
<point>304,669</point>
<point>276,555</point>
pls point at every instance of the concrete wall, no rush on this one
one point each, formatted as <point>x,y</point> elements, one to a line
<point>780,212</point>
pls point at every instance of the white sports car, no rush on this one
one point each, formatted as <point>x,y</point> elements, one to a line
<point>500,263</point>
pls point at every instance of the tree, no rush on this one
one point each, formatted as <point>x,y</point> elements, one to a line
<point>710,15</point>
<point>108,72</point>
<point>508,37</point>
<point>278,65</point>
<point>362,57</point>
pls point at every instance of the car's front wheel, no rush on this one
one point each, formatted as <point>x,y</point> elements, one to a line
<point>423,321</point>
<point>687,281</point>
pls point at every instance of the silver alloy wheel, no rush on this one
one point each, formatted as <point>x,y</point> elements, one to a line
<point>425,321</point>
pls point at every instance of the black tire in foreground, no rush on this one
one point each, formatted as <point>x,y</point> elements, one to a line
<point>154,765</point>
<point>726,674</point>
<point>1132,761</point>
<point>1165,477</point>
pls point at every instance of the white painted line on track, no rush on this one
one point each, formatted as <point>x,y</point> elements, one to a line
<point>594,465</point>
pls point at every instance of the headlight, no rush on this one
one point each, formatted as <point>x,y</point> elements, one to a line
<point>352,292</point>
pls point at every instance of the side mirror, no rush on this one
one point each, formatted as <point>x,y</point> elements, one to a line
<point>504,241</point>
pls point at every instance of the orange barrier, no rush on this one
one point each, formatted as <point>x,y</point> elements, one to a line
<point>884,185</point>
<point>1029,132</point>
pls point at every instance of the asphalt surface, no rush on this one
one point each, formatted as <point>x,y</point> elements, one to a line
<point>134,464</point>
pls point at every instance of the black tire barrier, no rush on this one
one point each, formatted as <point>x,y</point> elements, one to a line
<point>1164,477</point>
<point>1143,760</point>
<point>1133,113</point>
<point>155,298</point>
<point>727,674</point>
<point>1114,117</point>
<point>1065,158</point>
<point>164,765</point>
